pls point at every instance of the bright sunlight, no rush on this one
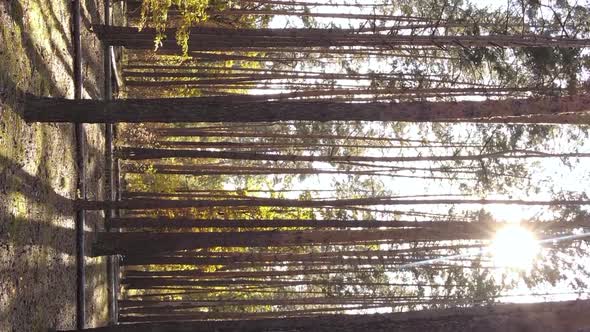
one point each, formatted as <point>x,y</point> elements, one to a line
<point>514,247</point>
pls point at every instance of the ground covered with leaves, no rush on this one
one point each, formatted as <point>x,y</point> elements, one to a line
<point>38,170</point>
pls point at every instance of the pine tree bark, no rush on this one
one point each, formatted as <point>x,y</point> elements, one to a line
<point>532,317</point>
<point>156,153</point>
<point>231,132</point>
<point>163,222</point>
<point>203,39</point>
<point>193,110</point>
<point>151,204</point>
<point>131,243</point>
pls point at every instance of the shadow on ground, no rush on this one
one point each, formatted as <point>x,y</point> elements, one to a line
<point>38,172</point>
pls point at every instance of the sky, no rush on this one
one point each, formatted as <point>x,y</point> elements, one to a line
<point>550,171</point>
<point>547,170</point>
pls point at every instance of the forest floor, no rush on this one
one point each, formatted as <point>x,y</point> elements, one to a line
<point>38,170</point>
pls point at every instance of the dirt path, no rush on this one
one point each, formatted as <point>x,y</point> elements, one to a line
<point>37,169</point>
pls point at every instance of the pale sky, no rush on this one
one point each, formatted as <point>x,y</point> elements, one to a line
<point>551,170</point>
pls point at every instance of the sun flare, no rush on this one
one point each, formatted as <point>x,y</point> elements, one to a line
<point>514,247</point>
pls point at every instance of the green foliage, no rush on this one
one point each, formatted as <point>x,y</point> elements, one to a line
<point>187,14</point>
<point>469,284</point>
<point>155,13</point>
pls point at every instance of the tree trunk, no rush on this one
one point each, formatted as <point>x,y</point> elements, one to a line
<point>163,222</point>
<point>135,242</point>
<point>151,204</point>
<point>569,316</point>
<point>151,283</point>
<point>193,110</point>
<point>177,223</point>
<point>232,133</point>
<point>205,39</point>
<point>154,153</point>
